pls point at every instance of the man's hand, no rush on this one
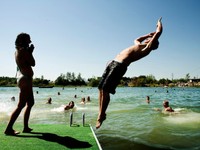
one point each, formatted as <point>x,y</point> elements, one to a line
<point>159,25</point>
<point>151,34</point>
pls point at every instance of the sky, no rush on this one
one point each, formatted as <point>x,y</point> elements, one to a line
<point>82,36</point>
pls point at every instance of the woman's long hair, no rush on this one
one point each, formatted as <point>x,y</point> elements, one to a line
<point>21,40</point>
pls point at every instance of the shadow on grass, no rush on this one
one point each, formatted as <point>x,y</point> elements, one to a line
<point>66,141</point>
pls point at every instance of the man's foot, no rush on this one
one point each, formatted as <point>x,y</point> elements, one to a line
<point>27,130</point>
<point>100,121</point>
<point>11,132</point>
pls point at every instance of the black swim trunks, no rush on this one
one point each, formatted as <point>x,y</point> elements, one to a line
<point>112,76</point>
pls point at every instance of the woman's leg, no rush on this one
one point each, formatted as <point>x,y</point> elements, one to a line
<point>29,105</point>
<point>22,102</point>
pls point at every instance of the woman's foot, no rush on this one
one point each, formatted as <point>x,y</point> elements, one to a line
<point>11,132</point>
<point>100,120</point>
<point>27,130</point>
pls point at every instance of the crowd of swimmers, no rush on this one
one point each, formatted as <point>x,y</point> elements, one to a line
<point>71,104</point>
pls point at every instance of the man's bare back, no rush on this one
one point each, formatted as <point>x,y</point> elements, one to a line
<point>131,54</point>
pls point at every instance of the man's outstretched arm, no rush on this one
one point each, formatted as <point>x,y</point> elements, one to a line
<point>156,35</point>
<point>142,38</point>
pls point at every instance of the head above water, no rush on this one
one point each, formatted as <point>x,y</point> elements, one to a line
<point>166,103</point>
<point>71,104</point>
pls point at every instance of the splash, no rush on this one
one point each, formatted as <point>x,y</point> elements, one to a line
<point>58,109</point>
<point>184,118</point>
<point>61,109</point>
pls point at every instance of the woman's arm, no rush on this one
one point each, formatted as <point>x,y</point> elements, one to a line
<point>30,59</point>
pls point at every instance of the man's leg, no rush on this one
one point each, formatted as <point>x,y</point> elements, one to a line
<point>100,95</point>
<point>104,99</point>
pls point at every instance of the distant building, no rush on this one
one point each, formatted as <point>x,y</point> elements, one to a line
<point>194,82</point>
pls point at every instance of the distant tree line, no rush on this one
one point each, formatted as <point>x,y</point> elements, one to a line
<point>7,81</point>
<point>71,79</point>
<point>144,81</point>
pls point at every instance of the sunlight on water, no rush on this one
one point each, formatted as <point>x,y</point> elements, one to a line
<point>184,118</point>
<point>59,109</point>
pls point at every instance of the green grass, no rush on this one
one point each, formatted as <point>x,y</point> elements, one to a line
<point>51,137</point>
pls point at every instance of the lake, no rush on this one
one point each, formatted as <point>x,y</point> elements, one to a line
<point>131,123</point>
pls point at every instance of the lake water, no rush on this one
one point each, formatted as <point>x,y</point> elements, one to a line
<point>131,122</point>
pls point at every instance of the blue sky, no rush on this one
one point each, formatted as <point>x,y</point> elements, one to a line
<point>81,36</point>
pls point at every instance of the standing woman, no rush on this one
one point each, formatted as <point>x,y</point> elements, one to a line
<point>25,61</point>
